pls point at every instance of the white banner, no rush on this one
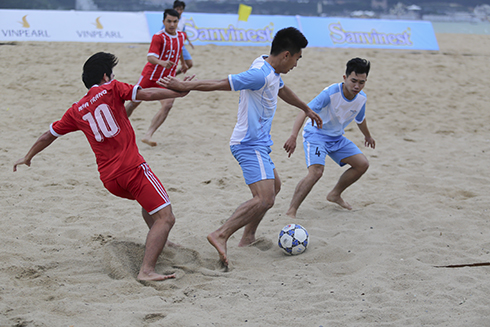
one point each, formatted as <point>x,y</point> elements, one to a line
<point>73,26</point>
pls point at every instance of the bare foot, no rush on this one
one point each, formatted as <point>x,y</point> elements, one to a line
<point>337,199</point>
<point>220,246</point>
<point>291,213</point>
<point>153,276</point>
<point>149,142</point>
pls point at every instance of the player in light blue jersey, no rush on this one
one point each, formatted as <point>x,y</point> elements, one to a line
<point>338,105</point>
<point>250,142</point>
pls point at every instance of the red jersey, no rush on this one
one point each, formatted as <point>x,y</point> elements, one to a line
<point>101,116</point>
<point>165,47</point>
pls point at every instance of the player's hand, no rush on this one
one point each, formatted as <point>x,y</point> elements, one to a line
<point>189,78</point>
<point>172,83</point>
<point>290,145</point>
<point>370,142</point>
<point>315,119</point>
<point>184,68</point>
<point>22,161</point>
<point>168,64</point>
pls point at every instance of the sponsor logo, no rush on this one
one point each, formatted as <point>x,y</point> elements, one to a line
<point>340,36</point>
<point>229,34</point>
<point>25,31</point>
<point>99,33</point>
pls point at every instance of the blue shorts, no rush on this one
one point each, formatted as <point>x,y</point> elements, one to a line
<point>316,152</point>
<point>255,162</point>
<point>186,54</point>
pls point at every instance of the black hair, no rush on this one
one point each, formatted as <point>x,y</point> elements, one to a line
<point>179,3</point>
<point>171,12</point>
<point>288,39</point>
<point>96,66</point>
<point>358,65</point>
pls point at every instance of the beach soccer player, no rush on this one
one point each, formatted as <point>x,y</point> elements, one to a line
<point>101,116</point>
<point>250,142</point>
<point>338,105</point>
<point>163,56</point>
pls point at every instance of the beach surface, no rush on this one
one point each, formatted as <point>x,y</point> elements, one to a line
<point>70,251</point>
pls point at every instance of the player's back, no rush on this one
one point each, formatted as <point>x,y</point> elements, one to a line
<point>101,116</point>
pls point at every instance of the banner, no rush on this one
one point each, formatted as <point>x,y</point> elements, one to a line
<point>219,29</point>
<point>369,33</point>
<point>226,29</point>
<point>73,26</point>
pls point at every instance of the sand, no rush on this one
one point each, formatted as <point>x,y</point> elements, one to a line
<point>70,251</point>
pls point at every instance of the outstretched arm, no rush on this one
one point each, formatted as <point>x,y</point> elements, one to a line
<point>42,142</point>
<point>155,93</point>
<point>184,86</point>
<point>291,98</point>
<point>368,140</point>
<point>290,144</point>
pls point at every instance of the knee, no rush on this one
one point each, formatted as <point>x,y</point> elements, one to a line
<point>166,218</point>
<point>277,186</point>
<point>363,166</point>
<point>316,172</point>
<point>189,64</point>
<point>269,203</point>
<point>170,220</point>
<point>266,203</point>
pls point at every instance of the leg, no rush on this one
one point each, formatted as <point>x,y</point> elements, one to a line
<point>158,120</point>
<point>304,187</point>
<point>359,164</point>
<point>130,106</point>
<point>250,212</point>
<point>149,222</point>
<point>248,236</point>
<point>160,224</point>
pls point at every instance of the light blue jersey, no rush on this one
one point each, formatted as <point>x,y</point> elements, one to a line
<point>336,112</point>
<point>258,88</point>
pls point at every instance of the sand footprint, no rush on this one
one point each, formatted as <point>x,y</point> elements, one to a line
<point>262,244</point>
<point>123,261</point>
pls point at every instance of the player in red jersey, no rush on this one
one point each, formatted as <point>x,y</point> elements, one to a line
<point>163,56</point>
<point>101,116</point>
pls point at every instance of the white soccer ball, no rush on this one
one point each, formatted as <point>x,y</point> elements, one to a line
<point>293,239</point>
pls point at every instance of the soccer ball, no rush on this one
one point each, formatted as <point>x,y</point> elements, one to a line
<point>293,239</point>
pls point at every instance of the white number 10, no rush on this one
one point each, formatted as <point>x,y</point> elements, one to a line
<point>104,122</point>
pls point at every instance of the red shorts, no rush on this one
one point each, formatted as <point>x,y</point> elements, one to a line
<point>145,82</point>
<point>142,185</point>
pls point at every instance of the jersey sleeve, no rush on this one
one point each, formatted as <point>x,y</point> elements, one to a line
<point>126,91</point>
<point>155,46</point>
<point>320,101</point>
<point>361,115</point>
<point>252,79</point>
<point>65,125</point>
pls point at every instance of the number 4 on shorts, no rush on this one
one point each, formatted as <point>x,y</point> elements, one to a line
<point>317,151</point>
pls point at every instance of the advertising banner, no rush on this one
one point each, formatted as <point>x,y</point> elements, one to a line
<point>226,29</point>
<point>219,29</point>
<point>369,33</point>
<point>73,26</point>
